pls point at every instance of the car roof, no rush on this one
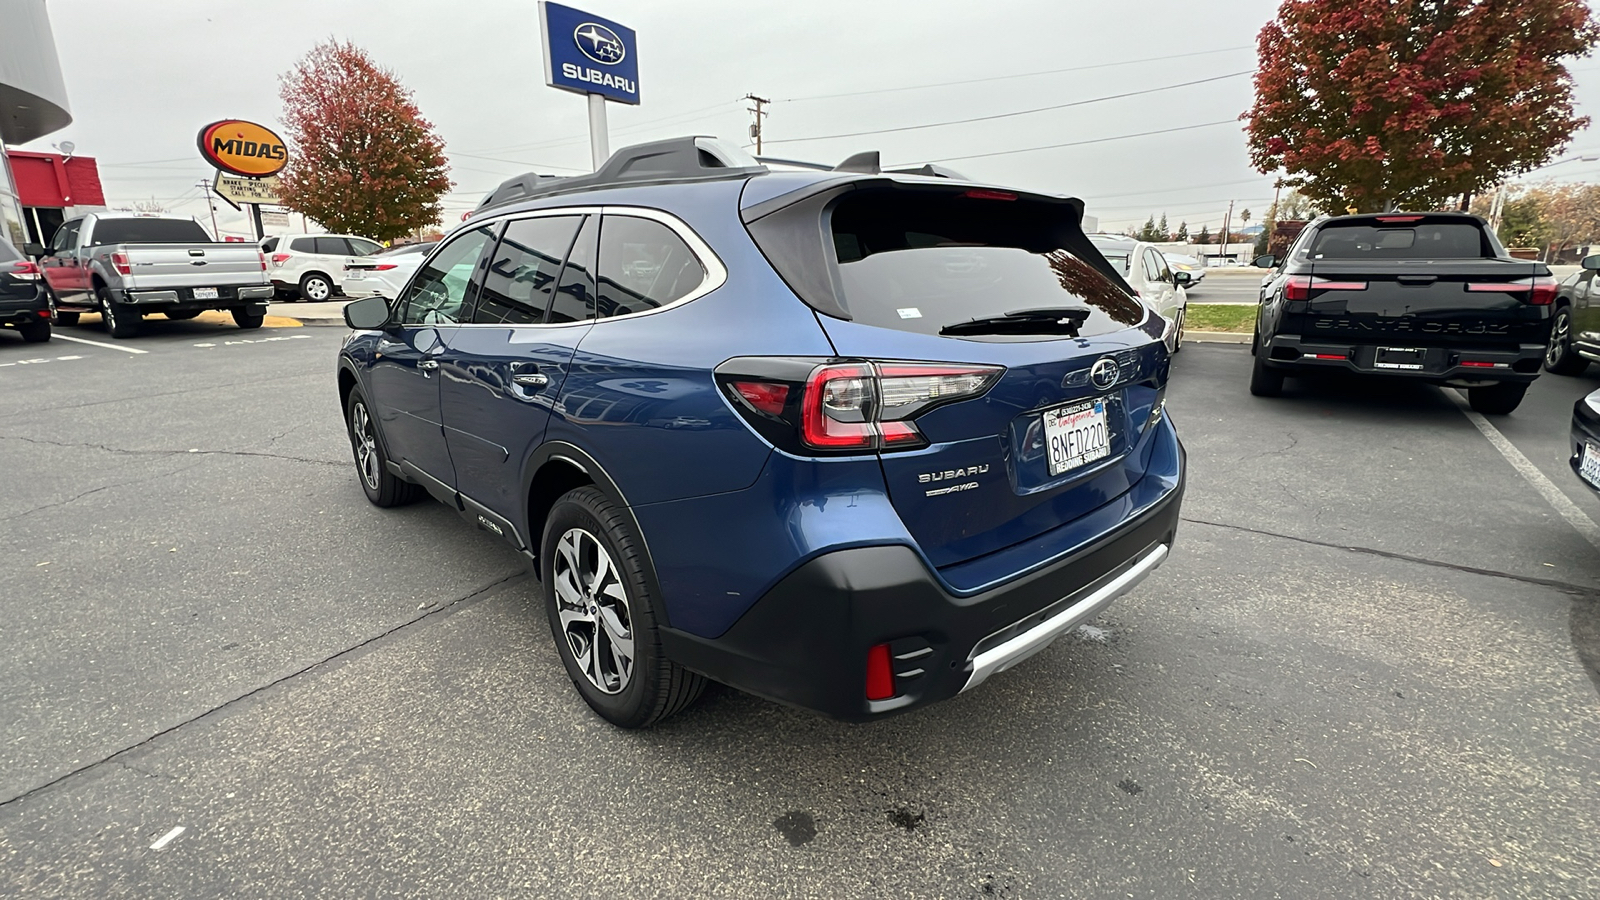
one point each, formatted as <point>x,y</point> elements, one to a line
<point>1106,242</point>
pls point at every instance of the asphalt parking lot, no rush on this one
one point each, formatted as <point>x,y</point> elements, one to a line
<point>1369,669</point>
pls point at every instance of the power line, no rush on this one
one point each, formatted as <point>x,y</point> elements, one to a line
<point>1020,112</point>
<point>918,87</point>
<point>1118,137</point>
<point>556,142</point>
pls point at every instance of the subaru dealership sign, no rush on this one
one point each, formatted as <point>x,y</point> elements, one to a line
<point>587,54</point>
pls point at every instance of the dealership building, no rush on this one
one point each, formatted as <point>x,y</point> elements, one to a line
<point>33,103</point>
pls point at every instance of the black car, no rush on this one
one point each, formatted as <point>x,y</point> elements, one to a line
<point>1586,440</point>
<point>24,300</point>
<point>1428,296</point>
<point>1575,324</point>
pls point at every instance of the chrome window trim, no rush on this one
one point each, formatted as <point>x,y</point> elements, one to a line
<point>716,272</point>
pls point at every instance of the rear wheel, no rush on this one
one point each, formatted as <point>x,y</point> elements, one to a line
<point>66,318</point>
<point>602,616</point>
<point>120,321</point>
<point>248,320</point>
<point>382,487</point>
<point>315,288</point>
<point>180,315</point>
<point>1264,382</point>
<point>1559,357</point>
<point>35,332</point>
<point>1496,399</point>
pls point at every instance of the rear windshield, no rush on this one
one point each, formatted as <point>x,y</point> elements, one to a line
<point>149,231</point>
<point>920,262</point>
<point>1441,240</point>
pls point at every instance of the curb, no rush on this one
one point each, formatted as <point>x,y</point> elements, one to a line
<point>1215,337</point>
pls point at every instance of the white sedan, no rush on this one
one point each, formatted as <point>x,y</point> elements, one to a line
<point>383,273</point>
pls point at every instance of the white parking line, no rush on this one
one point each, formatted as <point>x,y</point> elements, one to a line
<point>1530,473</point>
<point>61,337</point>
<point>168,838</point>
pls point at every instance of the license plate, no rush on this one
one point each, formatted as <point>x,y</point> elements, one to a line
<point>1400,358</point>
<point>1076,435</point>
<point>1590,467</point>
<point>205,293</point>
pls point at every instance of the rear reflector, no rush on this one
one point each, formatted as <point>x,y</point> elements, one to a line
<point>765,396</point>
<point>1475,364</point>
<point>1338,356</point>
<point>880,677</point>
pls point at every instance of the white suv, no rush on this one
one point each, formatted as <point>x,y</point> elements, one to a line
<point>311,266</point>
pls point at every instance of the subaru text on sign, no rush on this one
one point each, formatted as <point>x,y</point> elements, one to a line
<point>586,54</point>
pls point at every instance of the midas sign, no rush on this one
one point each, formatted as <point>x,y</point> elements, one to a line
<point>243,148</point>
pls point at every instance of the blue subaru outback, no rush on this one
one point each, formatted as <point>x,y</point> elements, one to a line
<point>849,439</point>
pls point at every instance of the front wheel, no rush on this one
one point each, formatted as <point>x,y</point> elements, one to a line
<point>35,332</point>
<point>1496,399</point>
<point>602,617</point>
<point>1559,357</point>
<point>381,486</point>
<point>248,320</point>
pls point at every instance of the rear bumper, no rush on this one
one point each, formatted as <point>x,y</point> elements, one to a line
<point>226,296</point>
<point>805,642</point>
<point>1445,365</point>
<point>16,312</point>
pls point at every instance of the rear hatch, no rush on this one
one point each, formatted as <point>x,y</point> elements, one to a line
<point>1416,279</point>
<point>1055,431</point>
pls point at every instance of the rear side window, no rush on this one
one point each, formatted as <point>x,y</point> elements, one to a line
<point>269,245</point>
<point>1438,240</point>
<point>149,231</point>
<point>522,272</point>
<point>332,246</point>
<point>575,300</point>
<point>303,245</point>
<point>643,265</point>
<point>921,261</point>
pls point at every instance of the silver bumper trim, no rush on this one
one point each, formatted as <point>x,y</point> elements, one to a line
<point>152,296</point>
<point>1002,657</point>
<point>255,292</point>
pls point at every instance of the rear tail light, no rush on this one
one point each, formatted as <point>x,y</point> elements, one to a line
<point>1299,287</point>
<point>1545,288</point>
<point>986,194</point>
<point>24,271</point>
<point>384,267</point>
<point>263,258</point>
<point>120,262</point>
<point>807,406</point>
<point>279,259</point>
<point>1541,289</point>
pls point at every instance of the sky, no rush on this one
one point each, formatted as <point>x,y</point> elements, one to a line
<point>143,78</point>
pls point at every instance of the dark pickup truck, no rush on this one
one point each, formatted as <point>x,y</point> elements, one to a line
<point>1429,296</point>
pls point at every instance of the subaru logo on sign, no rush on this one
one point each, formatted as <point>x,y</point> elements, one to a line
<point>599,43</point>
<point>1103,374</point>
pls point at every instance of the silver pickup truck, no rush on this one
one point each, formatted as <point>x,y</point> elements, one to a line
<point>126,265</point>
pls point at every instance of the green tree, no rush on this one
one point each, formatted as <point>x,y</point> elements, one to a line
<point>1164,233</point>
<point>1205,235</point>
<point>1148,231</point>
<point>362,159</point>
<point>1381,104</point>
<point>1183,231</point>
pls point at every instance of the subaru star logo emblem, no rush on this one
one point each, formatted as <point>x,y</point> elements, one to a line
<point>599,43</point>
<point>1103,374</point>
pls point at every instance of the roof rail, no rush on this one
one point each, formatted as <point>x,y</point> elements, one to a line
<point>697,158</point>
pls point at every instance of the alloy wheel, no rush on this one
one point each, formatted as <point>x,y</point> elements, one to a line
<point>1560,333</point>
<point>366,445</point>
<point>592,607</point>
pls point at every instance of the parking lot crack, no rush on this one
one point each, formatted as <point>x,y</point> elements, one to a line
<point>1406,557</point>
<point>121,451</point>
<point>432,614</point>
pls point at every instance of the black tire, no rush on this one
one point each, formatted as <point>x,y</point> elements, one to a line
<point>181,315</point>
<point>653,687</point>
<point>1264,382</point>
<point>1496,399</point>
<point>1177,334</point>
<point>316,288</point>
<point>120,321</point>
<point>36,331</point>
<point>248,320</point>
<point>381,486</point>
<point>66,318</point>
<point>1559,357</point>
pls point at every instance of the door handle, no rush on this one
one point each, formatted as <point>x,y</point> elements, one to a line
<point>534,380</point>
<point>428,365</point>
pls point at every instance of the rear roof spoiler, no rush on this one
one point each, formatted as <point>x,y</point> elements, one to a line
<point>867,163</point>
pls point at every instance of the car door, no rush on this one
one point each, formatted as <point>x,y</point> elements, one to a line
<point>1159,290</point>
<point>61,267</point>
<point>404,378</point>
<point>503,373</point>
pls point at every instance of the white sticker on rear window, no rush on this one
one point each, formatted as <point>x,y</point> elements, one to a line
<point>910,312</point>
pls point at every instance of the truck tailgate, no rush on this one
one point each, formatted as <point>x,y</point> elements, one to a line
<point>169,266</point>
<point>1446,302</point>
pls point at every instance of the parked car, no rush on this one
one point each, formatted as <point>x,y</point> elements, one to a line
<point>310,266</point>
<point>1575,322</point>
<point>24,301</point>
<point>1181,263</point>
<point>1156,283</point>
<point>384,273</point>
<point>1428,296</point>
<point>125,266</point>
<point>853,440</point>
<point>1586,440</point>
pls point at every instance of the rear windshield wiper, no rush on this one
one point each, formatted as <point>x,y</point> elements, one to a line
<point>1065,320</point>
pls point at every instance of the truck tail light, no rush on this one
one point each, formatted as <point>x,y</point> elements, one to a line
<point>1545,288</point>
<point>263,257</point>
<point>24,271</point>
<point>1299,287</point>
<point>808,406</point>
<point>1541,289</point>
<point>119,261</point>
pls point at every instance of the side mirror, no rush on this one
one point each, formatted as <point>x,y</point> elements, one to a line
<point>1265,262</point>
<point>367,314</point>
<point>1182,279</point>
<point>33,250</point>
<point>1591,262</point>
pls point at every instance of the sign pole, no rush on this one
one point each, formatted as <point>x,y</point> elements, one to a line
<point>599,142</point>
<point>255,215</point>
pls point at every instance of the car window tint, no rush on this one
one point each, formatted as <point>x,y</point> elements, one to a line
<point>65,236</point>
<point>364,247</point>
<point>332,246</point>
<point>1449,240</point>
<point>439,292</point>
<point>643,265</point>
<point>522,270</point>
<point>303,245</point>
<point>575,300</point>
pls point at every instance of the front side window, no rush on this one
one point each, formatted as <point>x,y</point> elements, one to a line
<point>438,293</point>
<point>522,270</point>
<point>1152,272</point>
<point>364,247</point>
<point>66,236</point>
<point>1163,272</point>
<point>643,265</point>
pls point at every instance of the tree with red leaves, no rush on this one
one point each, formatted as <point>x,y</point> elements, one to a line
<point>1387,104</point>
<point>362,160</point>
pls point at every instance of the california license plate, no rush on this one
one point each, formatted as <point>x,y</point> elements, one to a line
<point>1589,468</point>
<point>205,293</point>
<point>1076,435</point>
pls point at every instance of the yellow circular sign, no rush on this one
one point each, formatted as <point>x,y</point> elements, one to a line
<point>243,148</point>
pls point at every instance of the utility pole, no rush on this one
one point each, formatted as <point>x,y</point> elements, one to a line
<point>755,127</point>
<point>1227,221</point>
<point>211,203</point>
